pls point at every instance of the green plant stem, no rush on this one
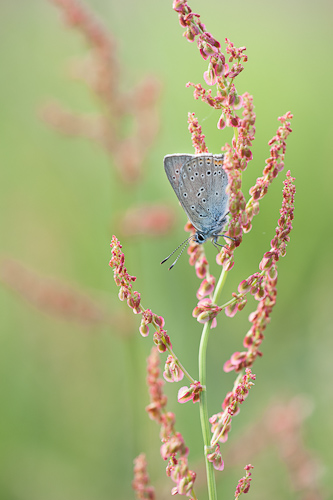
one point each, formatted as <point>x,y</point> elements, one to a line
<point>211,484</point>
<point>205,426</point>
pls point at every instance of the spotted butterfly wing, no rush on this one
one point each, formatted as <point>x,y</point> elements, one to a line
<point>200,182</point>
<point>172,166</point>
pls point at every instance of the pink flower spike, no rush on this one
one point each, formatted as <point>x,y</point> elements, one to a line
<point>157,399</point>
<point>244,483</point>
<point>141,480</point>
<point>198,138</point>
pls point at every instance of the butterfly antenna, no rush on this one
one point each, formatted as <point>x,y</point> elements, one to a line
<point>182,250</point>
<point>182,243</point>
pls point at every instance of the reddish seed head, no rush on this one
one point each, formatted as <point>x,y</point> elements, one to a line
<point>215,457</point>
<point>206,287</point>
<point>178,5</point>
<point>210,76</point>
<point>221,124</point>
<point>190,393</point>
<point>231,310</point>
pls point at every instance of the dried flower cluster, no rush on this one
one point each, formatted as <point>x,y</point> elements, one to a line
<point>173,448</point>
<point>146,220</point>
<point>198,138</point>
<point>221,422</point>
<point>52,296</point>
<point>239,154</point>
<point>244,483</point>
<point>191,393</point>
<point>141,481</point>
<point>281,425</point>
<point>126,146</point>
<point>122,278</point>
<point>101,72</point>
<point>133,298</point>
<point>172,371</point>
<point>242,214</point>
<point>206,311</point>
<point>236,160</point>
<point>263,285</point>
<point>209,48</point>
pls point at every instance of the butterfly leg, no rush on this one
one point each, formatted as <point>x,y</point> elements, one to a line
<point>226,236</point>
<point>217,245</point>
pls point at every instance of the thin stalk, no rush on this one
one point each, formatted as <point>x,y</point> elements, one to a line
<point>191,379</point>
<point>212,493</point>
<point>205,426</point>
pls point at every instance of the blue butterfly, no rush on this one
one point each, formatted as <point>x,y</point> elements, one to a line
<point>200,183</point>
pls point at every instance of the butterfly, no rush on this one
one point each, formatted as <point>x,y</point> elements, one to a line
<point>200,183</point>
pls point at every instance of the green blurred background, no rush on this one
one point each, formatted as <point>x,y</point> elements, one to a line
<point>73,397</point>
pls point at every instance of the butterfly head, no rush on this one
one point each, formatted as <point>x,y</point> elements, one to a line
<point>200,237</point>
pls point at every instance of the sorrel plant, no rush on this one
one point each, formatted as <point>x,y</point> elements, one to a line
<point>237,112</point>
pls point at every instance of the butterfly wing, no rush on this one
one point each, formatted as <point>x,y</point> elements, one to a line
<point>172,166</point>
<point>200,182</point>
<point>202,185</point>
